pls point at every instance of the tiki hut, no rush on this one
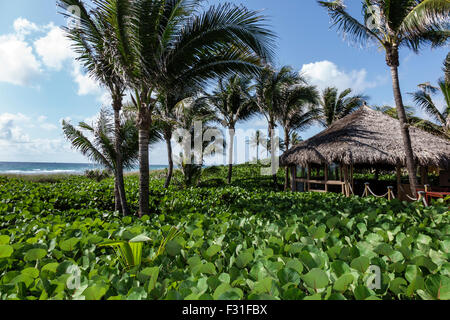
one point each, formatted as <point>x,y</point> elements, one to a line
<point>365,138</point>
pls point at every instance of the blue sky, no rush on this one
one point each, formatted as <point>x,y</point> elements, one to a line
<point>40,84</point>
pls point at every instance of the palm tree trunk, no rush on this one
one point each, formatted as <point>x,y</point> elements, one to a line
<point>272,154</point>
<point>119,164</point>
<point>230,155</point>
<point>117,205</point>
<point>257,152</point>
<point>144,174</point>
<point>170,158</point>
<point>286,143</point>
<point>404,128</point>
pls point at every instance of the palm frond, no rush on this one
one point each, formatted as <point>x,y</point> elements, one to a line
<point>425,102</point>
<point>426,16</point>
<point>81,143</point>
<point>350,27</point>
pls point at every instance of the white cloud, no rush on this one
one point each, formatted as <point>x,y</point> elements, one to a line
<point>23,27</point>
<point>18,64</point>
<point>54,48</point>
<point>18,140</point>
<point>326,73</point>
<point>11,127</point>
<point>21,65</point>
<point>42,119</point>
<point>48,126</point>
<point>86,85</point>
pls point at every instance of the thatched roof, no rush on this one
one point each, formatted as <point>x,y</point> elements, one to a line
<point>368,137</point>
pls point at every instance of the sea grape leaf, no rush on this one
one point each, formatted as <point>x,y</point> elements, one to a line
<point>6,251</point>
<point>361,264</point>
<point>316,279</point>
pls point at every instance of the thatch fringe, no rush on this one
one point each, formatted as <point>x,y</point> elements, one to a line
<point>368,137</point>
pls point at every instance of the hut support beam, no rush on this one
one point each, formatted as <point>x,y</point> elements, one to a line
<point>423,175</point>
<point>293,178</point>
<point>309,177</point>
<point>346,182</point>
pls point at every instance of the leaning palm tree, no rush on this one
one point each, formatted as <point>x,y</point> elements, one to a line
<point>269,85</point>
<point>91,42</point>
<point>391,25</point>
<point>166,43</point>
<point>233,103</point>
<point>96,142</point>
<point>424,99</point>
<point>335,105</point>
<point>297,110</point>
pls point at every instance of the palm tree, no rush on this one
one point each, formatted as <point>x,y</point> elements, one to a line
<point>165,43</point>
<point>96,141</point>
<point>233,103</point>
<point>91,41</point>
<point>392,24</point>
<point>269,84</point>
<point>295,138</point>
<point>335,105</point>
<point>423,98</point>
<point>167,118</point>
<point>255,142</point>
<point>297,110</point>
<point>187,112</point>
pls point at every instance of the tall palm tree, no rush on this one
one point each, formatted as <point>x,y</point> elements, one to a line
<point>91,42</point>
<point>234,103</point>
<point>269,84</point>
<point>392,24</point>
<point>423,98</point>
<point>335,105</point>
<point>297,110</point>
<point>166,43</point>
<point>96,141</point>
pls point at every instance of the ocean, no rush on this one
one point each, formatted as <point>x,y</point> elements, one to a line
<point>55,168</point>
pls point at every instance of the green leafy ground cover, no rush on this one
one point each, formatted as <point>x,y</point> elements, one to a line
<point>236,243</point>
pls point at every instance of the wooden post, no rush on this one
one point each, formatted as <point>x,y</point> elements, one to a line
<point>423,175</point>
<point>366,189</point>
<point>326,177</point>
<point>390,193</point>
<point>351,177</point>
<point>346,182</point>
<point>293,178</point>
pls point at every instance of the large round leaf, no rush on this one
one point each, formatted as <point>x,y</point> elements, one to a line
<point>6,251</point>
<point>35,254</point>
<point>316,279</point>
